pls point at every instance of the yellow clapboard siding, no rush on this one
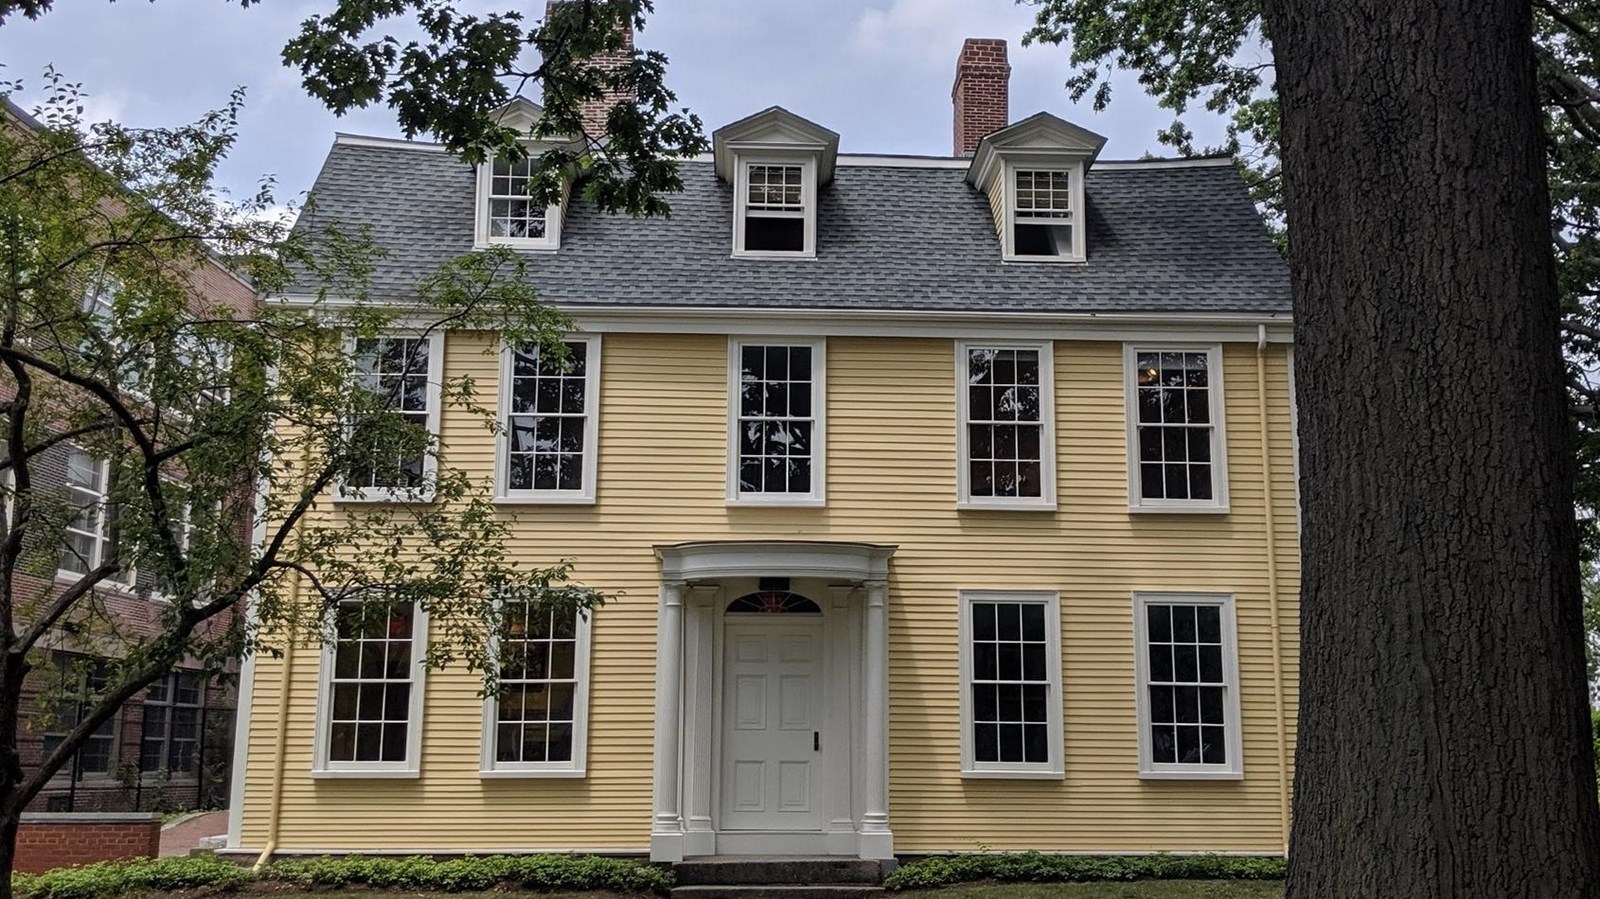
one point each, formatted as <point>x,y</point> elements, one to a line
<point>891,462</point>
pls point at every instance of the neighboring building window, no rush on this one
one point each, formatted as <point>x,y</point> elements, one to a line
<point>776,424</point>
<point>535,722</point>
<point>551,412</point>
<point>178,521</point>
<point>80,682</point>
<point>1007,429</point>
<point>1176,458</point>
<point>1042,213</point>
<point>776,214</point>
<point>1011,684</point>
<point>404,373</point>
<point>507,214</point>
<point>172,708</point>
<point>371,698</point>
<point>1188,681</point>
<point>88,534</point>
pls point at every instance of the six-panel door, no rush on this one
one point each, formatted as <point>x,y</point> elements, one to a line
<point>772,720</point>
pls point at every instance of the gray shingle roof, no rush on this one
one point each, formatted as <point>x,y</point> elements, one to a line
<point>891,237</point>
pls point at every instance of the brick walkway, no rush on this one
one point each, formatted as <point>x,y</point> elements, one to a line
<point>179,839</point>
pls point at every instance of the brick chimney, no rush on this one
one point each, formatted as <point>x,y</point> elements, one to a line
<point>982,92</point>
<point>594,112</point>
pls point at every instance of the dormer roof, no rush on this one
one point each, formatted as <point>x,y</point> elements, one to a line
<point>775,129</point>
<point>1040,134</point>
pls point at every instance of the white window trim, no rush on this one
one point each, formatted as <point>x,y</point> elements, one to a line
<point>1054,769</point>
<point>489,767</point>
<point>819,427</point>
<point>1079,252</point>
<point>1046,500</point>
<point>585,495</point>
<point>808,197</point>
<point>1149,770</point>
<point>482,239</point>
<point>156,593</point>
<point>1218,504</point>
<point>430,461</point>
<point>128,576</point>
<point>321,767</point>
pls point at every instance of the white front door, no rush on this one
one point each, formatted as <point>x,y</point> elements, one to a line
<point>772,720</point>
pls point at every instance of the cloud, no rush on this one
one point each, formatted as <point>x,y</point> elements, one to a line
<point>927,34</point>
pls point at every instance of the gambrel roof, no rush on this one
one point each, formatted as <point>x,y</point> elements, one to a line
<point>894,233</point>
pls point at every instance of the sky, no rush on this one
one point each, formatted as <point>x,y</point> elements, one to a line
<point>876,71</point>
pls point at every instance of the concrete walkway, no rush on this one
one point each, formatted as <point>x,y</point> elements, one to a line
<point>180,838</point>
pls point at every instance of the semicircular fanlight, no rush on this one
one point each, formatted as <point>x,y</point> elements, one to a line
<point>774,602</point>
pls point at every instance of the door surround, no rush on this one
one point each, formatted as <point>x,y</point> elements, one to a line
<point>692,597</point>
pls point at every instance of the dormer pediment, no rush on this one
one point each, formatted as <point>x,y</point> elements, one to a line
<point>775,130</point>
<point>1038,135</point>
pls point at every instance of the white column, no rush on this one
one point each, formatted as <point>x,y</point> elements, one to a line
<point>838,737</point>
<point>699,692</point>
<point>666,827</point>
<point>876,839</point>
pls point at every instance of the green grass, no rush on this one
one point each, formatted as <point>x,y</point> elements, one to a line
<point>1143,889</point>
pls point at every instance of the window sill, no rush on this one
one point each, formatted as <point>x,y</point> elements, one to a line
<point>376,497</point>
<point>515,245</point>
<point>1047,260</point>
<point>989,505</point>
<point>366,774</point>
<point>1191,774</point>
<point>72,577</point>
<point>1183,509</point>
<point>545,499</point>
<point>982,774</point>
<point>532,774</point>
<point>773,254</point>
<point>776,501</point>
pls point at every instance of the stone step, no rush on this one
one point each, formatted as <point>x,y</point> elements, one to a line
<point>778,891</point>
<point>734,870</point>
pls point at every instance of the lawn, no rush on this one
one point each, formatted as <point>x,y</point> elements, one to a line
<point>1143,889</point>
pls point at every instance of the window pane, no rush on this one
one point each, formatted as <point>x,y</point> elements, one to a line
<point>774,426</point>
<point>1175,430</point>
<point>1010,684</point>
<point>548,420</point>
<point>1004,433</point>
<point>371,680</point>
<point>538,683</point>
<point>1186,685</point>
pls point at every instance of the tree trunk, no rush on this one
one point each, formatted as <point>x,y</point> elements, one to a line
<point>1444,740</point>
<point>13,671</point>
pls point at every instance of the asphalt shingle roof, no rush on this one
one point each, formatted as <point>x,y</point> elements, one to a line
<point>890,237</point>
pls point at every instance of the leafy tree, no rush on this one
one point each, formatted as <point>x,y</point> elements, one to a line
<point>1425,156</point>
<point>219,424</point>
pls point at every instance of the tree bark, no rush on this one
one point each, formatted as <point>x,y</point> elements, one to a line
<point>1444,745</point>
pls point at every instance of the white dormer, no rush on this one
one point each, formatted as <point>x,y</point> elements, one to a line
<point>1032,172</point>
<point>775,161</point>
<point>505,214</point>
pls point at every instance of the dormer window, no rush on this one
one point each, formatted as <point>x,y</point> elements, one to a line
<point>775,161</point>
<point>778,212</point>
<point>507,215</point>
<point>1042,213</point>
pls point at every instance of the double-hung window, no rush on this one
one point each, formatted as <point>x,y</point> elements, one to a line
<point>550,407</point>
<point>370,702</point>
<point>776,422</point>
<point>1010,684</point>
<point>1006,435</point>
<point>1188,686</point>
<point>400,374</point>
<point>1176,443</point>
<point>172,708</point>
<point>88,534</point>
<point>80,681</point>
<point>507,215</point>
<point>1044,211</point>
<point>776,214</point>
<point>534,725</point>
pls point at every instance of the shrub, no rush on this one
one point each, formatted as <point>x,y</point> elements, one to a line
<point>1008,867</point>
<point>104,879</point>
<point>531,872</point>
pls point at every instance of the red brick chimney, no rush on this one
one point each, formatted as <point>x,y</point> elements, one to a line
<point>594,112</point>
<point>982,92</point>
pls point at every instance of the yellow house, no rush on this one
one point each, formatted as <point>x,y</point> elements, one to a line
<point>949,502</point>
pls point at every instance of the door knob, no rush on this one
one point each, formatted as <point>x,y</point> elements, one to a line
<point>816,741</point>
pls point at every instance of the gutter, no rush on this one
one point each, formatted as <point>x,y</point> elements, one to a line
<point>1272,585</point>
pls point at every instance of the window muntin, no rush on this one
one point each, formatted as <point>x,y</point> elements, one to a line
<point>80,681</point>
<point>512,213</point>
<point>1175,437</point>
<point>1041,213</point>
<point>776,208</point>
<point>551,412</point>
<point>1011,689</point>
<point>172,708</point>
<point>401,372</point>
<point>1007,431</point>
<point>372,687</point>
<point>536,721</point>
<point>88,534</point>
<point>776,434</point>
<point>1188,686</point>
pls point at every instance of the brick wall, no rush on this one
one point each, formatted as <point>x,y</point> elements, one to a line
<point>594,112</point>
<point>981,93</point>
<point>46,841</point>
